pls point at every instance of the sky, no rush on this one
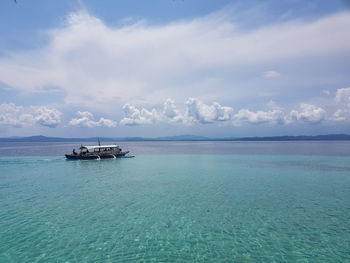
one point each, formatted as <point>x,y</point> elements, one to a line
<point>81,68</point>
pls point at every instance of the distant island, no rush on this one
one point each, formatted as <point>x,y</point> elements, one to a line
<point>41,138</point>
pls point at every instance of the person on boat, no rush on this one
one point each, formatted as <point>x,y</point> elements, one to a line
<point>74,152</point>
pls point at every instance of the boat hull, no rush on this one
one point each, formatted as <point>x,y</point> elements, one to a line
<point>95,156</point>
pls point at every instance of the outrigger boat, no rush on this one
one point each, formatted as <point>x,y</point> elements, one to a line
<point>97,152</point>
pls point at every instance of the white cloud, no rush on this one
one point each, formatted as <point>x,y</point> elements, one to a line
<point>171,113</point>
<point>341,115</point>
<point>342,99</point>
<point>19,116</point>
<point>271,74</point>
<point>47,116</point>
<point>343,95</point>
<point>134,116</point>
<point>15,116</point>
<point>309,113</point>
<point>197,111</point>
<point>129,62</point>
<point>86,119</point>
<point>275,116</point>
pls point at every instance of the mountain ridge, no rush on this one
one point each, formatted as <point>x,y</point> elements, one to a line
<point>41,138</point>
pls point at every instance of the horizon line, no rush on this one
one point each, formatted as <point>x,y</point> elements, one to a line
<point>185,137</point>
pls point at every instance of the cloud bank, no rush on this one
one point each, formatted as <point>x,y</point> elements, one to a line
<point>197,112</point>
<point>98,65</point>
<point>192,112</point>
<point>86,120</point>
<point>19,116</point>
<point>309,113</point>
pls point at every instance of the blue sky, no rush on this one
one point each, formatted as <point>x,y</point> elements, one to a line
<point>155,68</point>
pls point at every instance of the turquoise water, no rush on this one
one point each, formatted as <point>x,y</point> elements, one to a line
<point>176,208</point>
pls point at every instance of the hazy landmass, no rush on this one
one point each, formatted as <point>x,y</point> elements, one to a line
<point>41,138</point>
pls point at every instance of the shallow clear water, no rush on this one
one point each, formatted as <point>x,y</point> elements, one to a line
<point>163,207</point>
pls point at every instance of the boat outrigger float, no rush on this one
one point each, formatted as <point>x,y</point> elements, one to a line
<point>98,152</point>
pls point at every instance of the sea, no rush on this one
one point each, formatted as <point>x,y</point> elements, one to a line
<point>176,202</point>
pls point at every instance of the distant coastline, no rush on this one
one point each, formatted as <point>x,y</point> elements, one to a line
<point>41,138</point>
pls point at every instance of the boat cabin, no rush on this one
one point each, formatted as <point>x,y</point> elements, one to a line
<point>100,149</point>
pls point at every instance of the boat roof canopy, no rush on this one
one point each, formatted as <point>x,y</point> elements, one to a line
<point>99,147</point>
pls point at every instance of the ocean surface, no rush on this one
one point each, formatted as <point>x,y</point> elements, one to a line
<point>177,202</point>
